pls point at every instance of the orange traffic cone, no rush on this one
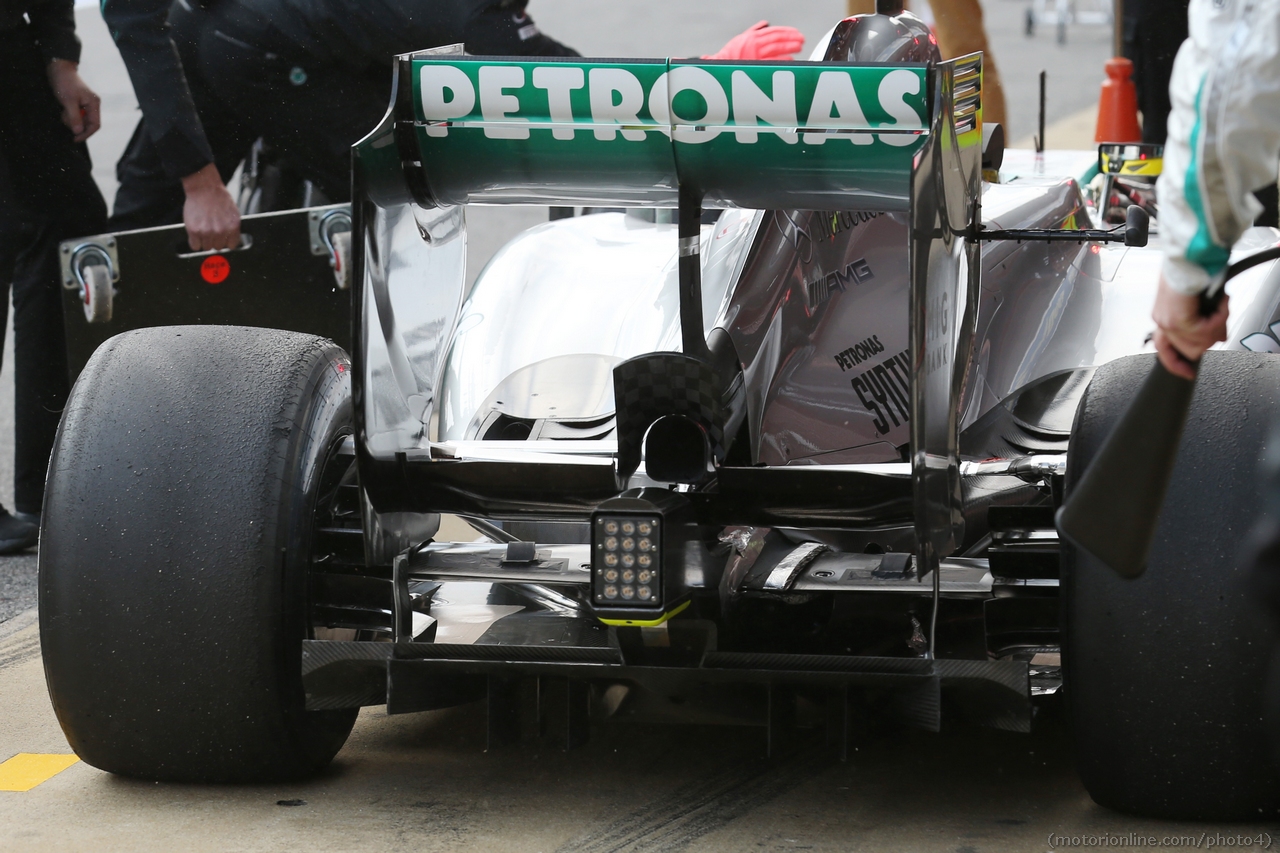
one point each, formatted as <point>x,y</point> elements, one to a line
<point>1118,105</point>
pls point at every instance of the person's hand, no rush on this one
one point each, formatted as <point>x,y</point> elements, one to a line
<point>210,213</point>
<point>1182,333</point>
<point>762,41</point>
<point>81,109</point>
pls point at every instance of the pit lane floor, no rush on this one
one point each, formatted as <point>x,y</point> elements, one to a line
<point>423,782</point>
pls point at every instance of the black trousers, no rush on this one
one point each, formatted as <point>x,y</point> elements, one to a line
<point>47,194</point>
<point>1154,30</point>
<point>248,81</point>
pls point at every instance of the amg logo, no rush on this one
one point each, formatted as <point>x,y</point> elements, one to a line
<point>818,290</point>
<point>885,391</point>
<point>858,353</point>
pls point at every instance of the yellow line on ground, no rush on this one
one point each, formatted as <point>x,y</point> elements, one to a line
<point>27,769</point>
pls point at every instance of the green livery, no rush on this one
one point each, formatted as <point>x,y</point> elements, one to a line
<point>631,132</point>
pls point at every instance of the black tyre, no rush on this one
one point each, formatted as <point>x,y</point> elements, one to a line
<point>1164,675</point>
<point>175,547</point>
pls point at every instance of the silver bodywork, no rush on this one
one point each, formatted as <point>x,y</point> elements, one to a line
<point>816,306</point>
<point>880,401</point>
<point>563,303</point>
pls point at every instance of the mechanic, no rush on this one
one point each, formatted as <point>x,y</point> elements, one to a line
<point>1224,137</point>
<point>1153,32</point>
<point>47,194</point>
<point>312,77</point>
<point>174,137</point>
<point>1223,142</point>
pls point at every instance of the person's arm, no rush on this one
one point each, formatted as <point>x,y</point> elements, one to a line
<point>141,32</point>
<point>1224,141</point>
<point>53,23</point>
<point>81,107</point>
<point>504,28</point>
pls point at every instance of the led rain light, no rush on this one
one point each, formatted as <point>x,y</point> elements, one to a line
<point>625,560</point>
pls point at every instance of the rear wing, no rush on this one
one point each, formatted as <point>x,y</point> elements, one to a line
<point>763,135</point>
<point>667,133</point>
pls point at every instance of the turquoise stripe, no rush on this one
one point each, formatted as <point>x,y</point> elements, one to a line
<point>1202,250</point>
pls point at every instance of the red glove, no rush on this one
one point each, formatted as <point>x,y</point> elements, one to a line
<point>762,41</point>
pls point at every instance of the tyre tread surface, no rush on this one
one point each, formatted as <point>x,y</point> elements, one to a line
<point>171,605</point>
<point>1164,674</point>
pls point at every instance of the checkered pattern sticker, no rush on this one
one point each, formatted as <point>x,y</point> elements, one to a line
<point>657,384</point>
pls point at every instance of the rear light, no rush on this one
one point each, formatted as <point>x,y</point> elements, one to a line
<point>627,560</point>
<point>646,554</point>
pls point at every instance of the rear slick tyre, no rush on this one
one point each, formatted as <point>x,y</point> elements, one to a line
<point>173,563</point>
<point>1164,674</point>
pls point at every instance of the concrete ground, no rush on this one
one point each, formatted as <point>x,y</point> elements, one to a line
<point>423,781</point>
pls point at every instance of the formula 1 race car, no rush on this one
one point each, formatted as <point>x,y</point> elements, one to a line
<point>774,437</point>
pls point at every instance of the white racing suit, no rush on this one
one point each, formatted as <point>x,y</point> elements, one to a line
<point>1224,136</point>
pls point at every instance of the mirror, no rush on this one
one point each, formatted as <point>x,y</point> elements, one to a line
<point>1137,225</point>
<point>1131,159</point>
